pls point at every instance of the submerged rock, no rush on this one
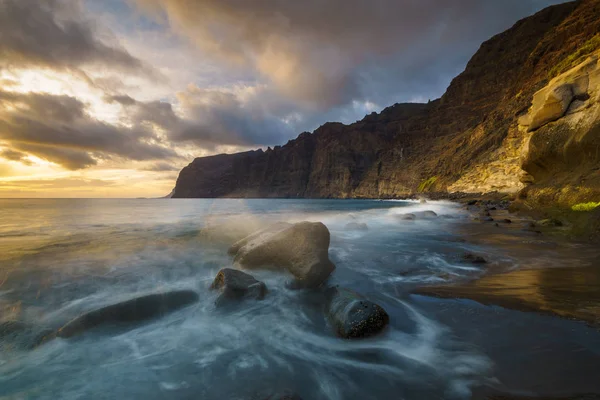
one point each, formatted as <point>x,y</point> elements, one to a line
<point>473,258</point>
<point>429,214</point>
<point>302,249</point>
<point>352,316</point>
<point>237,285</point>
<point>134,310</point>
<point>285,395</point>
<point>356,226</point>
<point>407,217</point>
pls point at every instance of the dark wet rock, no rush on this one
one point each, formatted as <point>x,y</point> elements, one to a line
<point>135,310</point>
<point>429,214</point>
<point>492,208</point>
<point>497,225</point>
<point>22,335</point>
<point>473,258</point>
<point>352,316</point>
<point>285,395</point>
<point>550,222</point>
<point>407,217</point>
<point>487,219</point>
<point>237,285</point>
<point>302,249</point>
<point>507,221</point>
<point>472,202</point>
<point>356,226</point>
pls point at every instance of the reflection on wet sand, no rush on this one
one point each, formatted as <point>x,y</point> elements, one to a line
<point>567,292</point>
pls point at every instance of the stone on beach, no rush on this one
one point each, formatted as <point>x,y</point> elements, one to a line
<point>302,249</point>
<point>236,285</point>
<point>134,310</point>
<point>352,316</point>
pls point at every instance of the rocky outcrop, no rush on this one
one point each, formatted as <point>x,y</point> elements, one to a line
<point>235,285</point>
<point>509,121</point>
<point>302,249</point>
<point>352,316</point>
<point>130,311</point>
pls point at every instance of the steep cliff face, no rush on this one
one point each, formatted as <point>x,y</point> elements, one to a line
<point>482,135</point>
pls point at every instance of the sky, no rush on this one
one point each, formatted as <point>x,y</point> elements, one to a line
<point>111,98</point>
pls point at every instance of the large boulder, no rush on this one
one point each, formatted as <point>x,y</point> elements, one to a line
<point>134,310</point>
<point>302,249</point>
<point>236,285</point>
<point>352,316</point>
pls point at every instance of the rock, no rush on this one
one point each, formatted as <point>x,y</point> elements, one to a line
<point>423,201</point>
<point>134,310</point>
<point>237,285</point>
<point>356,226</point>
<point>302,249</point>
<point>407,217</point>
<point>472,202</point>
<point>285,395</point>
<point>487,219</point>
<point>507,221</point>
<point>425,214</point>
<point>550,222</point>
<point>473,259</point>
<point>352,316</point>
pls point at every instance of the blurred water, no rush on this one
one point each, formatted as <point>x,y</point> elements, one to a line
<point>61,257</point>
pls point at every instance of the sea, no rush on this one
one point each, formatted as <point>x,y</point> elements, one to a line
<point>62,257</point>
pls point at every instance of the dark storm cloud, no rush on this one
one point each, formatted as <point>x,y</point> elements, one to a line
<point>328,53</point>
<point>58,129</point>
<point>57,35</point>
<point>211,117</point>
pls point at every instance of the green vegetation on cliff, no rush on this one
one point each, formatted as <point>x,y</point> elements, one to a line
<point>585,206</point>
<point>578,56</point>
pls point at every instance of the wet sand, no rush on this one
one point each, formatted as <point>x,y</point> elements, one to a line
<point>570,292</point>
<point>535,271</point>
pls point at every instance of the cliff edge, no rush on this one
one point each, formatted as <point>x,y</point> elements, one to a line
<point>522,118</point>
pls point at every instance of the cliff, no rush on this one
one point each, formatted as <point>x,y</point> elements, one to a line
<point>484,134</point>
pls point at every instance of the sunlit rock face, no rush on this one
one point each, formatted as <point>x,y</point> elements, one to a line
<point>474,139</point>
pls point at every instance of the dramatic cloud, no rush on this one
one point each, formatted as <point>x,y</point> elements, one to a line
<point>56,34</point>
<point>12,155</point>
<point>58,129</point>
<point>91,89</point>
<point>328,53</point>
<point>212,117</point>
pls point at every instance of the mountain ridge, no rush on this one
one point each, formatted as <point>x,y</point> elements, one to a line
<point>469,140</point>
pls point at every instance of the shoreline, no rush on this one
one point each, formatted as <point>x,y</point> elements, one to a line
<point>564,290</point>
